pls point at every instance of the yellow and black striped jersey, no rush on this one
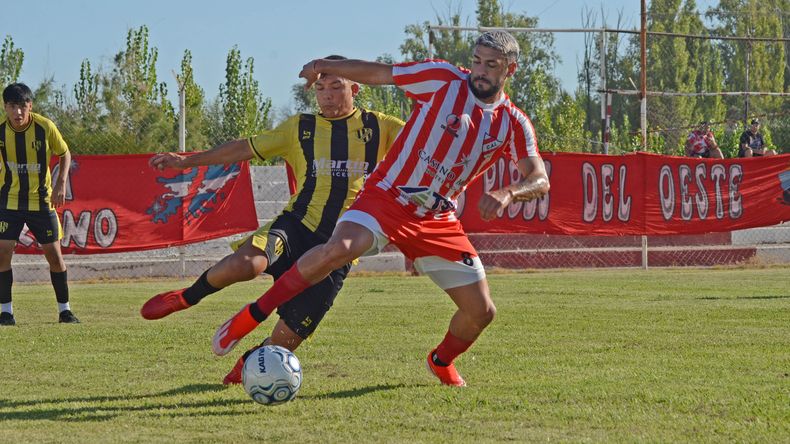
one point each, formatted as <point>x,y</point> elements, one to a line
<point>330,158</point>
<point>26,181</point>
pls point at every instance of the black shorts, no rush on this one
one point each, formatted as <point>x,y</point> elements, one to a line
<point>44,225</point>
<point>287,241</point>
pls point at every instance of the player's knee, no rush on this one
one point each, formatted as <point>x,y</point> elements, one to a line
<point>6,250</point>
<point>246,267</point>
<point>337,254</point>
<point>487,315</point>
<point>483,315</point>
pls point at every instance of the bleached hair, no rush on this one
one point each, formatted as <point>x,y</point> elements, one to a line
<point>501,41</point>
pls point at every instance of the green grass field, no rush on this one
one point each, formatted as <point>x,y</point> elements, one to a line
<point>670,355</point>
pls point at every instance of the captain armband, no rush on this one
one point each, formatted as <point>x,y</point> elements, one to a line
<point>528,190</point>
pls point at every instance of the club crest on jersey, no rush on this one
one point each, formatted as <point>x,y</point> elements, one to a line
<point>490,143</point>
<point>365,134</point>
<point>424,197</point>
<point>453,123</point>
<point>36,145</point>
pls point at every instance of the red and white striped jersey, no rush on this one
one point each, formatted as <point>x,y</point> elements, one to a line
<point>450,139</point>
<point>700,142</point>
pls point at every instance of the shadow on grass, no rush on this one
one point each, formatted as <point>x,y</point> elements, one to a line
<point>98,410</point>
<point>714,298</point>
<point>353,393</point>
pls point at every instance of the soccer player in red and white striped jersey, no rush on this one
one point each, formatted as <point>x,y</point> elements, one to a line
<point>462,123</point>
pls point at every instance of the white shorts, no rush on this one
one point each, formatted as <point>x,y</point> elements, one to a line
<point>445,273</point>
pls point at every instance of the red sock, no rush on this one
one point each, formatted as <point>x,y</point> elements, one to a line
<point>451,347</point>
<point>284,289</point>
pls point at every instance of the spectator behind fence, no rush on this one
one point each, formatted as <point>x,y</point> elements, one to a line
<point>752,143</point>
<point>701,143</point>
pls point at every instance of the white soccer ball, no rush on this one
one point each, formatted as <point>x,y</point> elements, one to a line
<point>271,375</point>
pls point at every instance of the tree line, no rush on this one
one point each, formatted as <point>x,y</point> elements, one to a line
<point>124,108</point>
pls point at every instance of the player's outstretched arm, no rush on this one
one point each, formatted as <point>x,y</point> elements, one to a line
<point>361,71</point>
<point>229,152</point>
<point>534,186</point>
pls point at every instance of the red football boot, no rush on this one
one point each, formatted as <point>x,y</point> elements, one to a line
<point>234,376</point>
<point>164,304</point>
<point>232,331</point>
<point>447,375</point>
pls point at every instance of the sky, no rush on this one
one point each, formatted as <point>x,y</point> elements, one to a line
<point>281,36</point>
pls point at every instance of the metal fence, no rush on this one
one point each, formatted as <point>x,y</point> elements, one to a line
<point>759,246</point>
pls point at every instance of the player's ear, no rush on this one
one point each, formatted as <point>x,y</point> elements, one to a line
<point>511,69</point>
<point>354,89</point>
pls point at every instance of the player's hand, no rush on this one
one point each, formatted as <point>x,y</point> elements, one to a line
<point>309,73</point>
<point>492,203</point>
<point>166,160</point>
<point>58,195</point>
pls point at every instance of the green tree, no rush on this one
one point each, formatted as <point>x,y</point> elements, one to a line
<point>568,119</point>
<point>11,59</point>
<point>124,110</point>
<point>197,125</point>
<point>141,112</point>
<point>243,109</point>
<point>766,61</point>
<point>86,94</point>
<point>305,101</point>
<point>47,99</point>
<point>136,68</point>
<point>387,99</point>
<point>672,68</point>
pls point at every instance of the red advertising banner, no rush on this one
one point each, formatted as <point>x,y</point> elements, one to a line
<point>639,194</point>
<point>119,203</point>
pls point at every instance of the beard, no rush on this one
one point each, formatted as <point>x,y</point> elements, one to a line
<point>484,94</point>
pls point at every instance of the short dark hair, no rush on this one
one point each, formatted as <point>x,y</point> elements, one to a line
<point>335,57</point>
<point>503,42</point>
<point>755,121</point>
<point>17,93</point>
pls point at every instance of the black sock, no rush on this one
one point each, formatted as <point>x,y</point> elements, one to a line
<point>199,290</point>
<point>61,285</point>
<point>256,312</point>
<point>437,361</point>
<point>249,352</point>
<point>6,281</point>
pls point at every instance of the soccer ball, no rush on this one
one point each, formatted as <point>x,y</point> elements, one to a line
<point>271,375</point>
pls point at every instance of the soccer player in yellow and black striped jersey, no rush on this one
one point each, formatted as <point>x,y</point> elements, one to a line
<point>331,154</point>
<point>28,196</point>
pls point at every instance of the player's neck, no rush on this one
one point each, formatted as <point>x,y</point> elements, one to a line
<point>339,114</point>
<point>21,127</point>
